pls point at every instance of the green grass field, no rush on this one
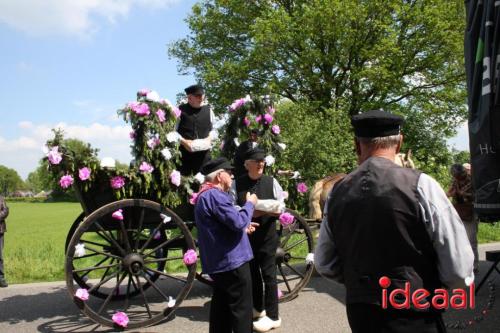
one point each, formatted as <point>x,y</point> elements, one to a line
<point>34,242</point>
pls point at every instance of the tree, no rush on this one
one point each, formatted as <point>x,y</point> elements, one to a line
<point>405,56</point>
<point>9,181</point>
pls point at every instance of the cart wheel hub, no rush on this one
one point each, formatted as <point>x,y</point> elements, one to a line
<point>134,263</point>
<point>280,255</point>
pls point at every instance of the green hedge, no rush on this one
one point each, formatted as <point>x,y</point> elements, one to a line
<point>26,199</point>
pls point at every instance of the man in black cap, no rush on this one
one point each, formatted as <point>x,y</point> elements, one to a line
<point>383,220</point>
<point>243,148</point>
<point>194,126</point>
<point>264,240</point>
<point>225,249</point>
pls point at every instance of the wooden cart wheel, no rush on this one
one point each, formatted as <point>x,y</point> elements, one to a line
<point>112,260</point>
<point>293,257</point>
<point>82,277</point>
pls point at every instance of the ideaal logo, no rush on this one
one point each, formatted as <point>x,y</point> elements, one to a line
<point>441,298</point>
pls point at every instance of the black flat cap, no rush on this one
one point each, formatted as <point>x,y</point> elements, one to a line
<point>376,123</point>
<point>195,89</point>
<point>256,154</point>
<point>216,164</point>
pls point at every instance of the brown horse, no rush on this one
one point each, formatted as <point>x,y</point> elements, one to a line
<point>322,187</point>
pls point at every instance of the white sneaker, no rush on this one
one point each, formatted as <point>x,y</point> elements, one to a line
<point>257,314</point>
<point>265,324</point>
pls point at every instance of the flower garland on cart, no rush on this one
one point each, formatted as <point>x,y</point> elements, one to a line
<point>152,173</point>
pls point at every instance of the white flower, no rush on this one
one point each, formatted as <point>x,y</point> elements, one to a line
<point>236,142</point>
<point>173,137</point>
<point>79,250</point>
<point>310,258</point>
<point>295,175</point>
<point>213,135</point>
<point>165,218</point>
<point>166,153</point>
<point>282,146</point>
<point>108,162</point>
<point>153,96</point>
<point>171,302</point>
<point>247,98</point>
<point>254,144</point>
<point>199,177</point>
<point>270,160</point>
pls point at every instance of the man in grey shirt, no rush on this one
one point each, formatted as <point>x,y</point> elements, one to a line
<point>386,221</point>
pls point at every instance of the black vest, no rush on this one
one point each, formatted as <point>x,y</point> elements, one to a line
<point>265,237</point>
<point>194,123</point>
<point>378,229</point>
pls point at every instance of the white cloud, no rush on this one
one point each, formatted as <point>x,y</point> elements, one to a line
<point>68,17</point>
<point>24,152</point>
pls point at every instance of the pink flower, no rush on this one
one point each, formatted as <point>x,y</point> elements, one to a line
<point>258,118</point>
<point>271,110</point>
<point>190,257</point>
<point>54,156</point>
<point>153,142</point>
<point>286,219</point>
<point>302,187</point>
<point>145,167</point>
<point>157,235</point>
<point>120,319</point>
<point>82,294</point>
<point>66,181</point>
<point>143,92</point>
<point>237,104</point>
<point>280,293</point>
<point>176,112</point>
<point>161,115</point>
<point>246,121</point>
<point>118,215</point>
<point>275,129</point>
<point>117,182</point>
<point>175,178</point>
<point>194,197</point>
<point>132,135</point>
<point>84,173</point>
<point>268,118</point>
<point>141,109</point>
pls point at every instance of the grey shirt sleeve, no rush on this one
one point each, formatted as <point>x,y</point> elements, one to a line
<point>454,253</point>
<point>278,191</point>
<point>326,258</point>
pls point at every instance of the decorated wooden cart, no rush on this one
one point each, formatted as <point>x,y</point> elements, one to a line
<point>131,255</point>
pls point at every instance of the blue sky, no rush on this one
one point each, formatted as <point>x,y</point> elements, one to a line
<point>73,63</point>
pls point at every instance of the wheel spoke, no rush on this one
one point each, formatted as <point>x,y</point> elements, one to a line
<point>156,288</point>
<point>107,254</point>
<point>150,261</point>
<point>97,286</point>
<point>165,243</point>
<point>150,238</point>
<point>290,233</point>
<point>295,244</point>
<point>139,229</point>
<point>125,235</point>
<point>298,258</point>
<point>118,282</point>
<point>93,268</point>
<point>113,241</point>
<point>98,264</point>
<point>284,278</point>
<point>293,269</point>
<point>144,297</point>
<point>165,274</point>
<point>93,243</point>
<point>87,256</point>
<point>107,270</point>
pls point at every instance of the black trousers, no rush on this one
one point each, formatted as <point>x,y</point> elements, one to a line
<point>231,307</point>
<point>264,286</point>
<point>192,162</point>
<point>2,273</point>
<point>370,318</point>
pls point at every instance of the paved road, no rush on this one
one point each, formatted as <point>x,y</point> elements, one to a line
<point>46,307</point>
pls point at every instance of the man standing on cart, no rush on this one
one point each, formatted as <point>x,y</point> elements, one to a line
<point>194,126</point>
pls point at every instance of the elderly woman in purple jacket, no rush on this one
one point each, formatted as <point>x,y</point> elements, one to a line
<point>225,250</point>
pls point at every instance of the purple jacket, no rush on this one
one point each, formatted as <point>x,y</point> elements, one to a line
<point>222,236</point>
